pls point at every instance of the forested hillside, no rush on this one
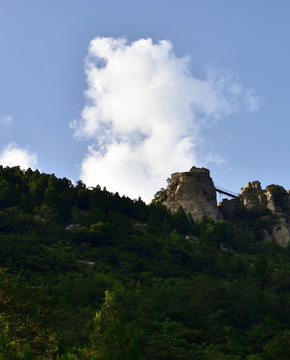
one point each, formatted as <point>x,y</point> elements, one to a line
<point>87,274</point>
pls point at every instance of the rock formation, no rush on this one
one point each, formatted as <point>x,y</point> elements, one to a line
<point>274,198</point>
<point>252,196</point>
<point>194,191</point>
<point>278,201</point>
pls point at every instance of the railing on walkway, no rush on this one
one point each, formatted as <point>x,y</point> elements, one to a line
<point>226,192</point>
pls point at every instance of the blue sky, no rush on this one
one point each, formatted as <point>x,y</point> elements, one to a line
<point>204,83</point>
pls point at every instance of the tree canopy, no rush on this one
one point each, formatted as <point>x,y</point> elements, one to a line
<point>86,273</point>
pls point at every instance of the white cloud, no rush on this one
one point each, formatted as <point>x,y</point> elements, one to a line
<point>145,113</point>
<point>6,119</point>
<point>13,155</point>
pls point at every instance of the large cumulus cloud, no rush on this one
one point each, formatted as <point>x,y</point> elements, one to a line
<point>145,112</point>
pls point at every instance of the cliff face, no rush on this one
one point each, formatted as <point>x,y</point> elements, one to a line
<point>194,191</point>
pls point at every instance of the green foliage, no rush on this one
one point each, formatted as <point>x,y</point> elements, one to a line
<point>24,333</point>
<point>180,221</point>
<point>174,289</point>
<point>153,223</point>
<point>112,338</point>
<point>159,194</point>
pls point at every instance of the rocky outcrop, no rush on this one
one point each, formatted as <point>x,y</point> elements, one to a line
<point>281,231</point>
<point>278,201</point>
<point>252,196</point>
<point>194,191</point>
<point>274,198</point>
<point>270,201</point>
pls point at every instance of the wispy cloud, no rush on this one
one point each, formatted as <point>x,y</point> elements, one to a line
<point>13,155</point>
<point>145,113</point>
<point>6,119</point>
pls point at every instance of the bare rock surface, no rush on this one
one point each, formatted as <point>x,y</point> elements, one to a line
<point>194,191</point>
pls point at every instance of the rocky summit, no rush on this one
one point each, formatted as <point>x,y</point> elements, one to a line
<point>194,191</point>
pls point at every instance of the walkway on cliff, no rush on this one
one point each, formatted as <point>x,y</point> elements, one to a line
<point>226,192</point>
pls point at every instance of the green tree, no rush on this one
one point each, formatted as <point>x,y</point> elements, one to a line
<point>278,347</point>
<point>180,221</point>
<point>112,338</point>
<point>24,333</point>
<point>153,223</point>
<point>168,225</point>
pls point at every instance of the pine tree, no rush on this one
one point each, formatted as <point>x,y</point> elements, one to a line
<point>112,338</point>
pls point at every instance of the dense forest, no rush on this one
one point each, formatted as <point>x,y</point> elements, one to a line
<point>87,274</point>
